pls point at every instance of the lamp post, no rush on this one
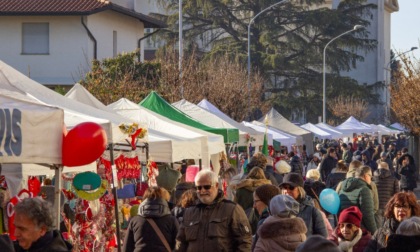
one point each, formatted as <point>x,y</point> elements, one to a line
<point>388,81</point>
<point>324,99</point>
<point>249,50</point>
<point>181,49</point>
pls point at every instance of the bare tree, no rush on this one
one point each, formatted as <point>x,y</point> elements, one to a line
<point>343,107</point>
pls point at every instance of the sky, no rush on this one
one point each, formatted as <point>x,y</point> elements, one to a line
<point>405,31</point>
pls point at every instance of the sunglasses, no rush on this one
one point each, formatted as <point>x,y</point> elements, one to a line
<point>288,187</point>
<point>346,225</point>
<point>206,187</point>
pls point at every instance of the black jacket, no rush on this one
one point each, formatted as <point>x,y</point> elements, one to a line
<point>140,234</point>
<point>327,164</point>
<point>52,241</point>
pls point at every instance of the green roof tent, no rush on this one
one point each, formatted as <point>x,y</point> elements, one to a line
<point>157,104</point>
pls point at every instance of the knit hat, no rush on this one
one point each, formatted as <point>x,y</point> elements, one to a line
<point>351,215</point>
<point>317,155</point>
<point>316,243</point>
<point>293,179</point>
<point>409,227</point>
<point>284,206</point>
<point>266,192</point>
<point>283,167</point>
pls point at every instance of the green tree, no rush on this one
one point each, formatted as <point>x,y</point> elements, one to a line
<point>286,42</point>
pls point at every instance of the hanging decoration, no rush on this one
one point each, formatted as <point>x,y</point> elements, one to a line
<point>152,173</point>
<point>11,213</point>
<point>134,131</point>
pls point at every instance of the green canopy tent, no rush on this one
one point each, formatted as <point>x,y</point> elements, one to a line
<point>157,104</point>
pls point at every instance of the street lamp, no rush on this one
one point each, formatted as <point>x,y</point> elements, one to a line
<point>249,50</point>
<point>324,100</point>
<point>388,81</point>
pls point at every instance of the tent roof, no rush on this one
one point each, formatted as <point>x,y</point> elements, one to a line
<point>219,120</point>
<point>209,143</point>
<point>398,126</point>
<point>352,125</point>
<point>157,104</point>
<point>81,94</point>
<point>278,135</point>
<point>322,134</point>
<point>330,129</point>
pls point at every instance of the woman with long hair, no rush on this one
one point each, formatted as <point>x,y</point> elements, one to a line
<point>401,206</point>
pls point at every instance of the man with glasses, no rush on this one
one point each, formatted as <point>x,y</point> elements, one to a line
<point>357,191</point>
<point>214,223</point>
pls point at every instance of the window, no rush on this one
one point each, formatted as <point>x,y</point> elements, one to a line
<point>35,38</point>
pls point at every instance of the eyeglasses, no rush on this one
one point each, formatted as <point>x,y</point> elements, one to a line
<point>206,187</point>
<point>346,225</point>
<point>256,200</point>
<point>288,187</point>
<point>405,207</point>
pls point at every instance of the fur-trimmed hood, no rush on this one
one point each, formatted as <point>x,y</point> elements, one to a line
<point>275,226</point>
<point>251,184</point>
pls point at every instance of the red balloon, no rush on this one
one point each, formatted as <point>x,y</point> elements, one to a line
<point>83,144</point>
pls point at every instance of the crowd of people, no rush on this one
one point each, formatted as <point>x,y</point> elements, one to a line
<point>268,206</point>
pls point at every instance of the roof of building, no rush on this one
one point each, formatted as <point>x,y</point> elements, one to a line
<point>70,8</point>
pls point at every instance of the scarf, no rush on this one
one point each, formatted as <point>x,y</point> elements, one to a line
<point>347,246</point>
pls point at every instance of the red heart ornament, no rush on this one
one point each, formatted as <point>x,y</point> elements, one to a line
<point>83,144</point>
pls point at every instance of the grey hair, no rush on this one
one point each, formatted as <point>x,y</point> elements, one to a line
<point>410,227</point>
<point>362,171</point>
<point>37,210</point>
<point>208,174</point>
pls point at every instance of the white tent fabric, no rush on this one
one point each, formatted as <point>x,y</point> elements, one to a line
<point>352,125</point>
<point>330,129</point>
<point>398,126</point>
<point>388,130</point>
<point>318,132</point>
<point>211,116</point>
<point>23,124</point>
<point>209,143</point>
<point>79,93</point>
<point>278,135</point>
<point>276,120</point>
<point>163,147</point>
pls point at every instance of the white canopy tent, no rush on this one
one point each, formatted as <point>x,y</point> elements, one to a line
<point>335,134</point>
<point>398,126</point>
<point>276,120</point>
<point>210,145</point>
<point>211,116</point>
<point>318,132</point>
<point>79,93</point>
<point>389,130</point>
<point>278,135</point>
<point>352,125</point>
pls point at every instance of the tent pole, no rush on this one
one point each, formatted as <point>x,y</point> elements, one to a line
<point>57,195</point>
<point>114,192</point>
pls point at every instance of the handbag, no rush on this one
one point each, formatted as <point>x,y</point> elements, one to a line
<point>159,233</point>
<point>128,191</point>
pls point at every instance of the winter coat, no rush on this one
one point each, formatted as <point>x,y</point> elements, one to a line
<point>244,190</point>
<point>347,156</point>
<point>334,178</point>
<point>140,234</point>
<point>312,217</point>
<point>356,192</point>
<point>52,241</point>
<point>221,226</point>
<point>403,243</point>
<point>379,239</point>
<point>277,176</point>
<point>313,187</point>
<point>6,244</point>
<point>297,166</point>
<point>281,234</point>
<point>312,165</point>
<point>387,186</point>
<point>358,244</point>
<point>407,173</point>
<point>327,164</point>
<point>369,162</point>
<point>264,215</point>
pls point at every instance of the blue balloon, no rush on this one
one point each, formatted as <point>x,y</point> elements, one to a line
<point>329,200</point>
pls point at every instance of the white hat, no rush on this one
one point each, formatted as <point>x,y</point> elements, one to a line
<point>317,155</point>
<point>283,167</point>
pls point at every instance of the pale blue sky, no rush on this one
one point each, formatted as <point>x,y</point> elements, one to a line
<point>405,28</point>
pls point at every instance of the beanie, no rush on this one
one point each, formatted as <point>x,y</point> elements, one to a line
<point>266,192</point>
<point>351,215</point>
<point>293,179</point>
<point>316,243</point>
<point>284,206</point>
